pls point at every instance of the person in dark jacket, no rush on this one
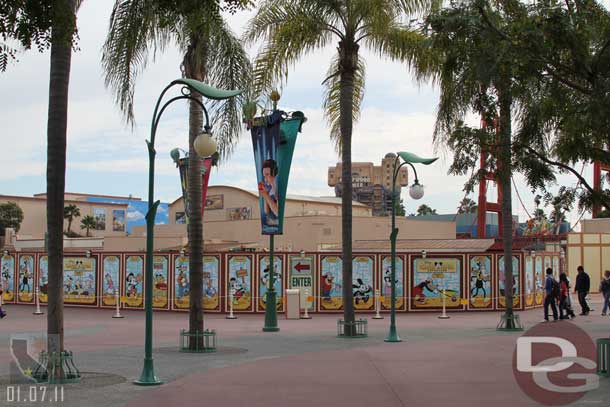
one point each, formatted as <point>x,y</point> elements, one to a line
<point>582,287</point>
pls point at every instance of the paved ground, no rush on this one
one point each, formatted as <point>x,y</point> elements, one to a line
<point>462,361</point>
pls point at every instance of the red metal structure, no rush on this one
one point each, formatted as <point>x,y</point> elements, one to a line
<point>597,181</point>
<point>485,206</point>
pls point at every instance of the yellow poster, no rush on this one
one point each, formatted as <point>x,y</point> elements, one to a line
<point>133,286</point>
<point>26,278</point>
<point>80,282</point>
<point>331,283</point>
<point>160,296</point>
<point>362,282</point>
<point>8,277</point>
<point>436,281</point>
<point>110,279</point>
<point>240,282</point>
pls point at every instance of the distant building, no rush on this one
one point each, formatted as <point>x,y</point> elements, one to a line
<point>372,185</point>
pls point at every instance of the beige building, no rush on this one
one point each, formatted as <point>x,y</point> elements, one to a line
<point>34,225</point>
<point>231,220</point>
<point>372,184</point>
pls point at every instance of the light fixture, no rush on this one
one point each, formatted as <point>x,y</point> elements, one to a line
<point>423,254</point>
<point>562,254</point>
<point>533,253</point>
<point>182,252</point>
<point>5,253</point>
<point>302,253</point>
<point>416,191</point>
<point>88,253</point>
<point>204,144</point>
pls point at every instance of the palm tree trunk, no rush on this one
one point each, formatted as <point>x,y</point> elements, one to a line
<point>193,69</point>
<point>505,101</point>
<point>61,55</point>
<point>348,55</point>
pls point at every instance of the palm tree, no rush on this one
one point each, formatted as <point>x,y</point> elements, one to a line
<point>424,209</point>
<point>70,212</point>
<point>88,223</point>
<point>212,54</point>
<point>474,72</point>
<point>467,205</point>
<point>291,29</point>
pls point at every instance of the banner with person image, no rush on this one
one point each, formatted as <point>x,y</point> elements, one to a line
<point>273,140</point>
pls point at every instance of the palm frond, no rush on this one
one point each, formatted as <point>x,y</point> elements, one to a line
<point>290,31</point>
<point>332,98</point>
<point>134,31</point>
<point>228,67</point>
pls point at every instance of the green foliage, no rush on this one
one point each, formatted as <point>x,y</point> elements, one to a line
<point>88,222</point>
<point>11,216</point>
<point>467,205</point>
<point>70,212</point>
<point>424,209</point>
<point>141,28</point>
<point>29,23</point>
<point>400,208</point>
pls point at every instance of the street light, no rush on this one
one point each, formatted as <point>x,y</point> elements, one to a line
<point>203,146</point>
<point>416,191</point>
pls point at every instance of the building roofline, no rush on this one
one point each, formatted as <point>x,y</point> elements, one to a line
<point>296,198</point>
<point>42,198</point>
<point>94,195</point>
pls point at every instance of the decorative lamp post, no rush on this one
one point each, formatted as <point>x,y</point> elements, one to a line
<point>203,146</point>
<point>416,191</point>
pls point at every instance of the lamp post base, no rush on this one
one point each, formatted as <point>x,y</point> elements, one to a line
<point>271,312</point>
<point>148,377</point>
<point>392,336</point>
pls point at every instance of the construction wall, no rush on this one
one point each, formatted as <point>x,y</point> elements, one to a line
<point>592,251</point>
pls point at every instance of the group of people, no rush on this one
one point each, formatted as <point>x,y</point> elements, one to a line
<point>557,294</point>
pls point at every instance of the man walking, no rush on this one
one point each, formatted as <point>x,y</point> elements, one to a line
<point>583,284</point>
<point>551,288</point>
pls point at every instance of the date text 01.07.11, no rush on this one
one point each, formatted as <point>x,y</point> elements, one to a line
<point>33,394</point>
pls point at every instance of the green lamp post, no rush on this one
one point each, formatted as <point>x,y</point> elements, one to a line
<point>204,146</point>
<point>416,191</point>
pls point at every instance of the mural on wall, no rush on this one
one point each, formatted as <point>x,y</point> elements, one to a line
<point>240,282</point>
<point>214,202</point>
<point>160,296</point>
<point>181,218</point>
<point>302,278</point>
<point>386,283</point>
<point>501,282</point>
<point>118,220</point>
<point>363,271</point>
<point>134,272</point>
<point>99,214</point>
<point>243,213</point>
<point>110,279</point>
<point>43,278</point>
<point>80,280</point>
<point>539,280</point>
<point>530,281</point>
<point>26,278</point>
<point>480,282</point>
<point>435,278</point>
<point>263,283</point>
<point>331,283</point>
<point>182,284</point>
<point>211,284</point>
<point>7,267</point>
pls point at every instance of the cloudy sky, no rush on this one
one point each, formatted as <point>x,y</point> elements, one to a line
<point>106,157</point>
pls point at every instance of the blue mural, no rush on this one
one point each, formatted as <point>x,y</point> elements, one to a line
<point>136,211</point>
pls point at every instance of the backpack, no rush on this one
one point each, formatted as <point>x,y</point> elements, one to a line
<point>555,289</point>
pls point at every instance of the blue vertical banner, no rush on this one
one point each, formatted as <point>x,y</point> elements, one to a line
<point>273,140</point>
<point>265,141</point>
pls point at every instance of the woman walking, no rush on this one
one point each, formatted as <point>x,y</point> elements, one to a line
<point>565,307</point>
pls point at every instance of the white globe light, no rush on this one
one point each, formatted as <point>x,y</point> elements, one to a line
<point>204,145</point>
<point>416,191</point>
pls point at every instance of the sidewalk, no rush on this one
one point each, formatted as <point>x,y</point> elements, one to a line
<point>462,361</point>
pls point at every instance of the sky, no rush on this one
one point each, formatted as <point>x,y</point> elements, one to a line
<point>104,156</point>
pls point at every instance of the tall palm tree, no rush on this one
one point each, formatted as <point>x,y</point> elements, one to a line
<point>474,72</point>
<point>88,222</point>
<point>62,32</point>
<point>291,29</point>
<point>212,54</point>
<point>70,212</point>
